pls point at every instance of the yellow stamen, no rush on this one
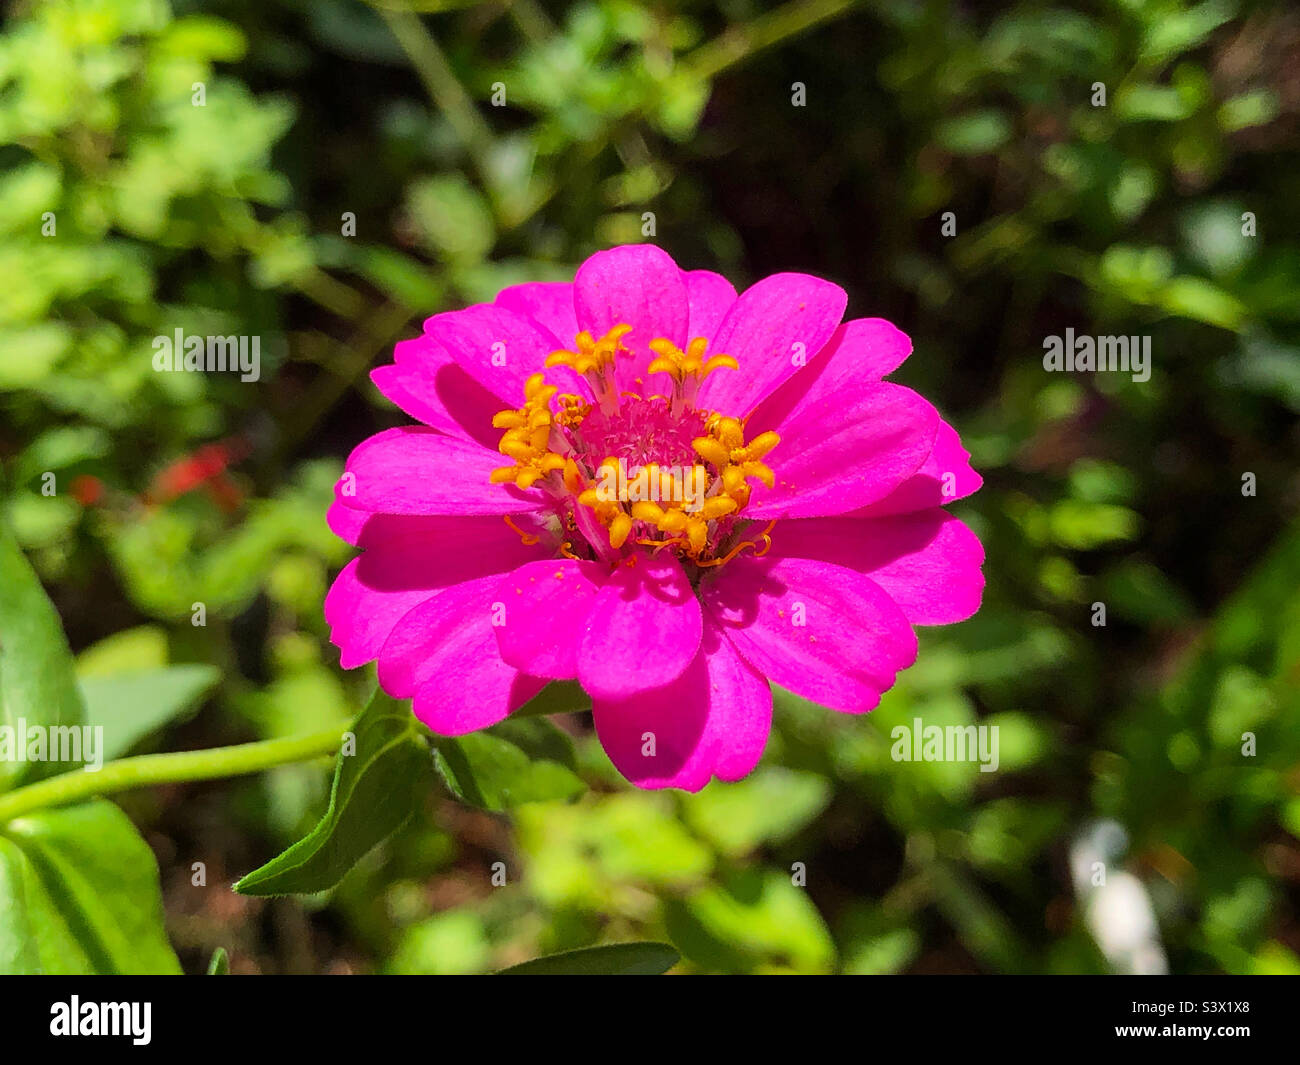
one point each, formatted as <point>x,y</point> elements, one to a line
<point>648,512</point>
<point>527,437</point>
<point>573,409</point>
<point>712,451</point>
<point>592,356</point>
<point>717,507</point>
<point>763,538</point>
<point>619,529</point>
<point>528,539</point>
<point>541,442</point>
<point>725,449</point>
<point>680,365</point>
<point>609,512</point>
<point>573,481</point>
<point>659,545</point>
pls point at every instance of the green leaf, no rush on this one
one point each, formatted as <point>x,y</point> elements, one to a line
<point>682,99</point>
<point>452,218</point>
<point>1255,108</point>
<point>884,954</point>
<point>1173,31</point>
<point>18,953</point>
<point>751,919</point>
<point>378,782</point>
<point>220,963</point>
<point>126,651</point>
<point>770,806</point>
<point>617,959</point>
<point>79,895</point>
<point>517,761</point>
<point>57,449</point>
<point>558,697</point>
<point>1201,301</point>
<point>974,134</point>
<point>1152,103</point>
<point>1087,526</point>
<point>28,355</point>
<point>129,706</point>
<point>37,683</point>
<point>405,279</point>
<point>1138,591</point>
<point>452,943</point>
<point>983,927</point>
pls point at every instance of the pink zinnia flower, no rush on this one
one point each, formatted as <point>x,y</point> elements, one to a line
<point>687,494</point>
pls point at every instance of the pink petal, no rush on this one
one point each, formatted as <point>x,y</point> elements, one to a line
<point>843,452</point>
<point>946,475</point>
<point>421,471</point>
<point>712,721</point>
<point>501,349</point>
<point>711,297</point>
<point>637,285</point>
<point>426,383</point>
<point>406,560</point>
<point>643,629</point>
<point>443,655</point>
<point>548,303</point>
<point>819,630</point>
<point>761,331</point>
<point>346,522</point>
<point>544,614</point>
<point>359,620</point>
<point>858,353</point>
<point>927,562</point>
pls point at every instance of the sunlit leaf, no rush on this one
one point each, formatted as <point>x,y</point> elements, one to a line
<point>616,959</point>
<point>377,786</point>
<point>79,894</point>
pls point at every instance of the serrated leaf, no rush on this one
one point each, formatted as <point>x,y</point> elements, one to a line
<point>375,789</point>
<point>79,895</point>
<point>517,761</point>
<point>616,959</point>
<point>37,683</point>
<point>129,706</point>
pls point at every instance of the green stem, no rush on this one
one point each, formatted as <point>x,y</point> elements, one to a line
<point>432,68</point>
<point>147,769</point>
<point>738,43</point>
<point>378,331</point>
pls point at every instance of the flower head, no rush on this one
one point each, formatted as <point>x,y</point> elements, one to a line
<point>669,492</point>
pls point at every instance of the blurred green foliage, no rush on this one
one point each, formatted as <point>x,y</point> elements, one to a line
<point>1173,211</point>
